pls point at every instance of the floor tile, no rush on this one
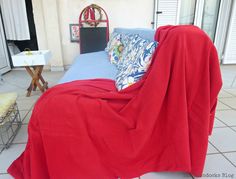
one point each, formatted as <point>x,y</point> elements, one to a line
<point>31,99</point>
<point>25,104</point>
<point>234,84</point>
<point>221,106</point>
<point>166,175</point>
<point>228,117</point>
<point>234,128</point>
<point>19,78</point>
<point>223,139</point>
<point>23,84</point>
<point>228,83</point>
<point>224,94</point>
<point>6,176</point>
<point>231,91</point>
<point>33,96</point>
<point>232,157</point>
<point>27,118</point>
<point>228,75</point>
<point>23,113</point>
<point>216,166</point>
<point>211,149</point>
<point>218,123</point>
<point>22,135</point>
<point>5,88</point>
<point>229,101</point>
<point>9,155</point>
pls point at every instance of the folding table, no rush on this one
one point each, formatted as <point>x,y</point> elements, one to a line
<point>33,62</point>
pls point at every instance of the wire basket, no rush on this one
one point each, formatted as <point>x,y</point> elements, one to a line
<point>10,124</point>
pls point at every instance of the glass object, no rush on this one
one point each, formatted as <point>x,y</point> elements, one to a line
<point>210,17</point>
<point>187,11</point>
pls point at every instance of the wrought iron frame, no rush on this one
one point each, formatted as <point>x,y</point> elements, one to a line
<point>10,124</point>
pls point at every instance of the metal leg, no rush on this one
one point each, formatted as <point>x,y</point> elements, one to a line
<point>9,126</point>
<point>2,140</point>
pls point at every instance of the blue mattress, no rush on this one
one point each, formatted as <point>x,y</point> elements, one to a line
<point>96,64</point>
<point>90,66</point>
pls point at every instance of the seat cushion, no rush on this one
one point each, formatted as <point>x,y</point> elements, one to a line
<point>90,66</point>
<point>6,101</point>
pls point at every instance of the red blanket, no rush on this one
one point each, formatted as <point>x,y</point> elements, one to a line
<point>86,129</point>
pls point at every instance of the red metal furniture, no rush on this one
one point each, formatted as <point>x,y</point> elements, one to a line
<point>93,29</point>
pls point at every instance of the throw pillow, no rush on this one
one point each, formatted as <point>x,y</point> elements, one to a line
<point>114,48</point>
<point>115,52</point>
<point>133,45</point>
<point>113,38</point>
<point>134,69</point>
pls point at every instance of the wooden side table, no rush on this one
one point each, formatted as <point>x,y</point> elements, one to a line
<point>33,62</point>
<point>36,74</point>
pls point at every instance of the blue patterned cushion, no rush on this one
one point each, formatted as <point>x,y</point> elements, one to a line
<point>126,41</point>
<point>134,67</point>
<point>128,38</point>
<point>116,52</point>
<point>133,45</point>
<point>113,39</point>
<point>114,48</point>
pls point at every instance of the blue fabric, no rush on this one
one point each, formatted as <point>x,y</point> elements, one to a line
<point>90,66</point>
<point>114,48</point>
<point>113,38</point>
<point>135,66</point>
<point>147,34</point>
<point>132,49</point>
<point>96,64</point>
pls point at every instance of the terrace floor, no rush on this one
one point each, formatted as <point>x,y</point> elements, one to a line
<point>221,155</point>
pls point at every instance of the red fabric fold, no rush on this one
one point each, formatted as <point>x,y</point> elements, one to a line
<point>86,129</point>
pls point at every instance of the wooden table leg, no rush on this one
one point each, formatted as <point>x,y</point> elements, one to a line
<point>32,81</point>
<point>35,86</point>
<point>35,74</point>
<point>45,84</point>
<point>36,78</point>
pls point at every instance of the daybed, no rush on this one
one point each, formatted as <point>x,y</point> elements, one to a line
<point>96,65</point>
<point>87,129</point>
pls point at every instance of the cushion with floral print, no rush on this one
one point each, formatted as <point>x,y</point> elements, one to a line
<point>114,37</point>
<point>129,41</point>
<point>132,70</point>
<point>114,48</point>
<point>116,52</point>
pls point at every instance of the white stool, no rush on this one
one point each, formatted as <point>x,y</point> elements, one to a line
<point>10,120</point>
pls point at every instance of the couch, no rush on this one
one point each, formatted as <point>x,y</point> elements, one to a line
<point>89,129</point>
<point>96,64</point>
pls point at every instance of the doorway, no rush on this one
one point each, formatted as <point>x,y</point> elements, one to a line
<point>202,13</point>
<point>31,44</point>
<point>4,56</point>
<point>212,16</point>
<point>17,30</point>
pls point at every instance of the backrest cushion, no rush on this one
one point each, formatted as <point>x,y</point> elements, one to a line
<point>145,33</point>
<point>131,71</point>
<point>113,38</point>
<point>114,48</point>
<point>133,46</point>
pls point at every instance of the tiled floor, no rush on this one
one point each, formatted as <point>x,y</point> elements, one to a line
<point>18,81</point>
<point>221,157</point>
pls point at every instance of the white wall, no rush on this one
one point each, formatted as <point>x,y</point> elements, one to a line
<point>121,13</point>
<point>48,31</point>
